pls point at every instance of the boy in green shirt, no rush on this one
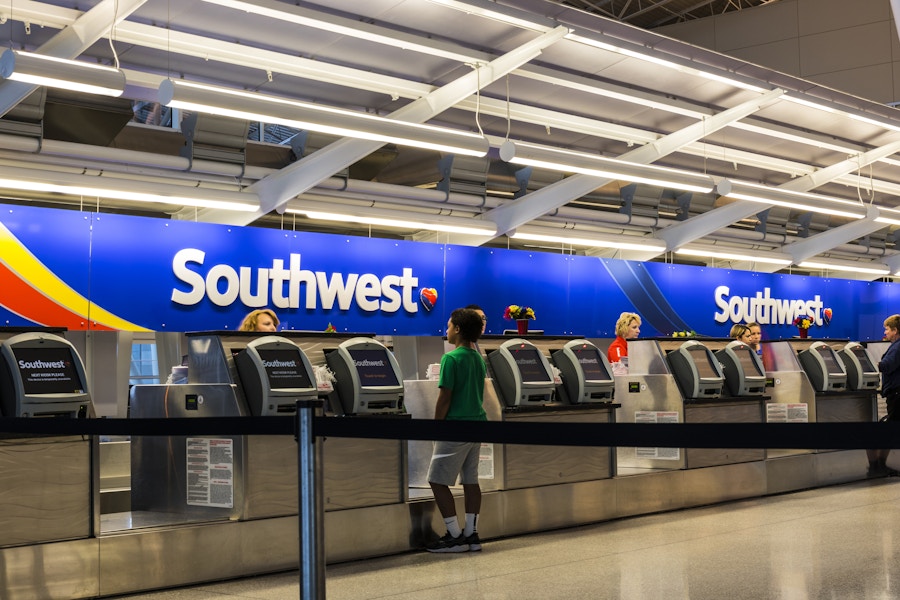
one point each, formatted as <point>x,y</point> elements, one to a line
<point>461,395</point>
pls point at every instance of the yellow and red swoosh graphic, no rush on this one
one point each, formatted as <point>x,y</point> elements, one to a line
<point>31,290</point>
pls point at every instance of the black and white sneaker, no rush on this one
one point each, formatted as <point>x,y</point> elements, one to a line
<point>474,542</point>
<point>448,543</point>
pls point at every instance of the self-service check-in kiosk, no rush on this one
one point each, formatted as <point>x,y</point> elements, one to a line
<point>368,377</point>
<point>743,370</point>
<point>585,371</point>
<point>824,368</point>
<point>696,370</point>
<point>275,373</point>
<point>862,374</point>
<point>43,377</point>
<point>522,374</point>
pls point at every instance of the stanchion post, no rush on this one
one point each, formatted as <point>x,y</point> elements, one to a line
<point>311,503</point>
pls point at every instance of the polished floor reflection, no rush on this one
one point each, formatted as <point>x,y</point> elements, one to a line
<point>836,542</point>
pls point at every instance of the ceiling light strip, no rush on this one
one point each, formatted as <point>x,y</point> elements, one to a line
<point>49,71</point>
<point>845,267</point>
<point>594,241</point>
<point>829,205</point>
<point>386,218</point>
<point>767,258</point>
<point>602,167</point>
<point>306,116</point>
<point>136,191</point>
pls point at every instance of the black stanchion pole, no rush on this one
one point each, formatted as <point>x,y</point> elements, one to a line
<point>311,504</point>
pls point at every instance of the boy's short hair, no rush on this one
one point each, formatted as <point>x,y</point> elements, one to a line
<point>469,323</point>
<point>624,322</point>
<point>893,322</point>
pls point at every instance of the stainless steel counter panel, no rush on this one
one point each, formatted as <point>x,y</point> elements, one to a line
<point>654,393</point>
<point>420,398</point>
<point>270,483</point>
<point>529,466</point>
<point>159,464</point>
<point>363,472</point>
<point>55,571</point>
<point>730,411</point>
<point>48,488</point>
<point>790,387</point>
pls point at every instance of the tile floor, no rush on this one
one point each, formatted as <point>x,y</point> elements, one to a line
<point>835,543</point>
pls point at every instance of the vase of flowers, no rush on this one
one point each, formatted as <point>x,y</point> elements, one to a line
<point>521,315</point>
<point>803,324</point>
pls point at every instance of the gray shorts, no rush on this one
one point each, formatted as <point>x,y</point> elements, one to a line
<point>454,458</point>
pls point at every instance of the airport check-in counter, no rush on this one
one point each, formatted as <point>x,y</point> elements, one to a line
<point>791,395</point>
<point>227,377</point>
<point>529,391</point>
<point>840,397</point>
<point>51,478</point>
<point>721,381</point>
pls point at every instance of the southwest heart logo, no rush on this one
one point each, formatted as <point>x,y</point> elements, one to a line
<point>428,298</point>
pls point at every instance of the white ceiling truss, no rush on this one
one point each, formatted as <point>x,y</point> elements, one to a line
<point>523,70</point>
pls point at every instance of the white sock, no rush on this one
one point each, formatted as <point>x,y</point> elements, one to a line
<point>471,523</point>
<point>452,526</point>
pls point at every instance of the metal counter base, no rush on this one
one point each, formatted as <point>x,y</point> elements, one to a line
<point>160,556</point>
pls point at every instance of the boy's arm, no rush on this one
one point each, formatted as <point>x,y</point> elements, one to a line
<point>443,404</point>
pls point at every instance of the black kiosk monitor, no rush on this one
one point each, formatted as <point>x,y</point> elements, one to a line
<point>824,368</point>
<point>585,371</point>
<point>522,374</point>
<point>275,373</point>
<point>42,376</point>
<point>743,369</point>
<point>368,379</point>
<point>862,373</point>
<point>697,371</point>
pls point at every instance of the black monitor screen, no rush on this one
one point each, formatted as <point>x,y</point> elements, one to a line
<point>285,369</point>
<point>702,359</point>
<point>48,371</point>
<point>747,359</point>
<point>531,367</point>
<point>374,368</point>
<point>831,362</point>
<point>591,363</point>
<point>862,356</point>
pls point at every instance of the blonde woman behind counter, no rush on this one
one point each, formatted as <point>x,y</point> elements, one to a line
<point>628,327</point>
<point>263,319</point>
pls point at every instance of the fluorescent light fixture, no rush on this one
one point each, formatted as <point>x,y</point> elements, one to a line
<point>303,115</point>
<point>848,266</point>
<point>291,13</point>
<point>598,241</point>
<point>117,189</point>
<point>385,218</point>
<point>828,205</point>
<point>888,216</point>
<point>520,153</point>
<point>758,257</point>
<point>49,71</point>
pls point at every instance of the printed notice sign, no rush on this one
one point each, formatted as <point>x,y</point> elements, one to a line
<point>787,412</point>
<point>210,472</point>
<point>486,461</point>
<point>650,416</point>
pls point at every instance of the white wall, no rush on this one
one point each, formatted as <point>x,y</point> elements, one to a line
<point>851,46</point>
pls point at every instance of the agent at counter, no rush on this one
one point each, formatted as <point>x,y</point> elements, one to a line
<point>890,389</point>
<point>460,398</point>
<point>263,320</point>
<point>755,337</point>
<point>742,333</point>
<point>628,327</point>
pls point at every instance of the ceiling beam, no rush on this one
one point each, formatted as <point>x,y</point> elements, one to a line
<point>531,206</point>
<point>807,248</point>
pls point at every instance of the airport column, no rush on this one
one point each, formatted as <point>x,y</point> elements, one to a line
<point>310,502</point>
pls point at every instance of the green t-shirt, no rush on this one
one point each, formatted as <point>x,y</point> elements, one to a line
<point>463,372</point>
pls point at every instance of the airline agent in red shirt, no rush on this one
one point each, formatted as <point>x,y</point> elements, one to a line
<point>628,327</point>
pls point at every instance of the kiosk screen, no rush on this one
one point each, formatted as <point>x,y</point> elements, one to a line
<point>589,359</point>
<point>862,356</point>
<point>531,367</point>
<point>47,371</point>
<point>285,369</point>
<point>374,368</point>
<point>747,359</point>
<point>702,359</point>
<point>832,366</point>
